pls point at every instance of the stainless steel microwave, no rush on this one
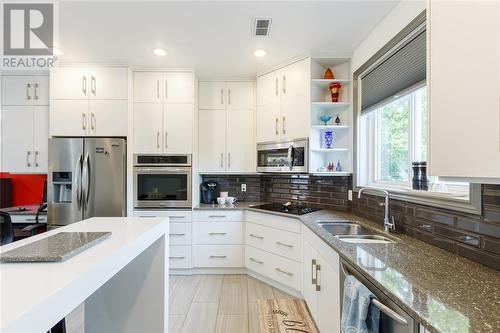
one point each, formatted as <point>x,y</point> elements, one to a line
<point>162,181</point>
<point>283,156</point>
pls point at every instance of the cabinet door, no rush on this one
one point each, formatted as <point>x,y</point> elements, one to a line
<point>178,128</point>
<point>268,122</point>
<point>108,117</point>
<point>147,128</point>
<point>240,140</point>
<point>40,90</point>
<point>40,138</point>
<point>295,101</point>
<point>212,95</point>
<point>148,87</point>
<point>464,118</point>
<point>108,83</point>
<point>17,90</point>
<point>178,88</point>
<point>69,118</point>
<point>240,95</point>
<point>268,88</point>
<point>212,140</point>
<point>309,287</point>
<point>17,138</point>
<point>69,83</point>
<point>328,298</point>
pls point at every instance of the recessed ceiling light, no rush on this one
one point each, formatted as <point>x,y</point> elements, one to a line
<point>57,52</point>
<point>160,52</point>
<point>259,53</point>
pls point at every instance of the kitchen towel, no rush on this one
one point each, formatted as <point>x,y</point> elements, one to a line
<point>359,315</point>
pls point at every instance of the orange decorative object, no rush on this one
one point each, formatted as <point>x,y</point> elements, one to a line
<point>328,75</point>
<point>335,91</point>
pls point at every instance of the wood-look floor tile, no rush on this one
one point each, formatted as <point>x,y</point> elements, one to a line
<point>234,295</point>
<point>232,324</point>
<point>182,293</point>
<point>209,288</point>
<point>258,290</point>
<point>201,318</point>
<point>253,318</point>
<point>175,323</point>
<point>278,294</point>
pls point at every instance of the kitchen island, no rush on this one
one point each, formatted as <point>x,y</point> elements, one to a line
<point>123,280</point>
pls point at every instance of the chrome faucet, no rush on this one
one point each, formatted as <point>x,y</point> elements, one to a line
<point>388,225</point>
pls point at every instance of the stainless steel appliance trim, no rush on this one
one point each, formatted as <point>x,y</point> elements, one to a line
<point>298,143</point>
<point>187,164</point>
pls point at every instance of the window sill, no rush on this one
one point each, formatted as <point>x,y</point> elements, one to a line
<point>455,202</point>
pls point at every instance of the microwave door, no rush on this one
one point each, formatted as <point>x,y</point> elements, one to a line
<point>290,157</point>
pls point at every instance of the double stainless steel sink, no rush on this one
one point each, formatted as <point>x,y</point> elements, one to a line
<point>352,232</point>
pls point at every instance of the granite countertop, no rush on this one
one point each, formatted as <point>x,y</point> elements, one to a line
<point>441,290</point>
<point>23,210</point>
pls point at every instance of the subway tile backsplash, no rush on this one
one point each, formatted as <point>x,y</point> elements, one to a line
<point>474,237</point>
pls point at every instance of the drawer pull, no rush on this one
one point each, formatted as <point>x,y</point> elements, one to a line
<point>257,261</point>
<point>217,257</point>
<point>177,234</point>
<point>284,272</point>
<point>177,257</point>
<point>255,236</point>
<point>177,217</point>
<point>284,244</point>
<point>217,233</point>
<point>217,216</point>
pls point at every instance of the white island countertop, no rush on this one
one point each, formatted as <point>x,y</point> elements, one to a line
<point>35,296</point>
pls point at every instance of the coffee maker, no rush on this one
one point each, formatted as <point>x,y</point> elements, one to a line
<point>209,192</point>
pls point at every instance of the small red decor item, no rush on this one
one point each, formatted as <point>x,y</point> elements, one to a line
<point>335,90</point>
<point>328,75</point>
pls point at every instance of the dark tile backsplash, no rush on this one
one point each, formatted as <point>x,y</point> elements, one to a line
<point>474,237</point>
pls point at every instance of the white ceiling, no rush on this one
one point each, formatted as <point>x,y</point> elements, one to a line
<point>214,38</point>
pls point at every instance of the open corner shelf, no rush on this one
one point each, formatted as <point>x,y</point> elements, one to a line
<point>330,105</point>
<point>328,81</point>
<point>328,150</point>
<point>325,127</point>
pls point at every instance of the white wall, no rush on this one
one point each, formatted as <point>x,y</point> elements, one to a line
<point>391,25</point>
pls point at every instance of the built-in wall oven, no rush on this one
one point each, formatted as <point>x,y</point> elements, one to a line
<point>283,156</point>
<point>162,181</point>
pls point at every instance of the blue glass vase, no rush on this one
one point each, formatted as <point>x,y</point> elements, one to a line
<point>328,139</point>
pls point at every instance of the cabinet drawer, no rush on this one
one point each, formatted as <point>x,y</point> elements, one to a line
<point>283,270</point>
<point>218,233</point>
<point>218,215</point>
<point>283,243</point>
<point>175,215</point>
<point>218,255</point>
<point>179,256</point>
<point>274,221</point>
<point>180,233</point>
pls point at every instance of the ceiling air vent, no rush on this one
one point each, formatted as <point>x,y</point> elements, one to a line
<point>261,27</point>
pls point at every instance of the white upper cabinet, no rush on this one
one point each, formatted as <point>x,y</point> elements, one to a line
<point>88,101</point>
<point>282,103</point>
<point>25,90</point>
<point>464,89</point>
<point>163,112</point>
<point>227,126</point>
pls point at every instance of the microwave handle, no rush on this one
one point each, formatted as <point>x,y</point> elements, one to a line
<point>290,157</point>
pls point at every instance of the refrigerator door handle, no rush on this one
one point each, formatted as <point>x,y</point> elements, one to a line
<point>78,181</point>
<point>86,176</point>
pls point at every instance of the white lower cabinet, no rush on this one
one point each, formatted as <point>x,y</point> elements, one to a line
<point>179,257</point>
<point>213,233</point>
<point>215,256</point>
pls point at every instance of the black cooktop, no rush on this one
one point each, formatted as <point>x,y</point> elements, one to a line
<point>288,208</point>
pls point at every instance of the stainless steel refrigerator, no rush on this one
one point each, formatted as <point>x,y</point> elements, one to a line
<point>86,178</point>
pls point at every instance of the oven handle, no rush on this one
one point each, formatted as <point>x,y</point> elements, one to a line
<point>162,169</point>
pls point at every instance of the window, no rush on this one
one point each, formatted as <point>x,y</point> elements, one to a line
<point>392,136</point>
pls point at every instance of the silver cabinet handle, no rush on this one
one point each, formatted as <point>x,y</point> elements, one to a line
<point>176,217</point>
<point>229,96</point>
<point>313,271</point>
<point>276,87</point>
<point>36,158</point>
<point>222,96</point>
<point>177,235</point>
<point>28,159</point>
<point>93,85</point>
<point>283,125</point>
<point>257,261</point>
<point>255,236</point>
<point>284,84</point>
<point>166,140</point>
<point>217,257</point>
<point>84,85</point>
<point>84,121</point>
<point>176,257</point>
<point>28,88</point>
<point>36,90</point>
<point>92,121</point>
<point>229,160</point>
<point>284,272</point>
<point>284,244</point>
<point>166,89</point>
<point>216,216</point>
<point>157,139</point>
<point>221,160</point>
<point>276,127</point>
<point>217,233</point>
<point>318,275</point>
<point>158,89</point>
